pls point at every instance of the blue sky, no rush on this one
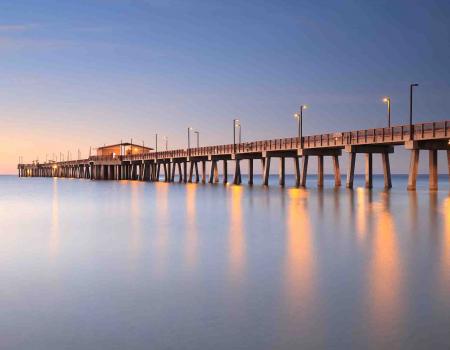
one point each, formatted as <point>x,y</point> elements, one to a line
<point>83,73</point>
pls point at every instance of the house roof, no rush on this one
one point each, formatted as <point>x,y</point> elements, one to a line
<point>126,144</point>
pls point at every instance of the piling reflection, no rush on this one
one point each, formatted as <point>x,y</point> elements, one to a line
<point>384,276</point>
<point>135,218</point>
<point>236,244</point>
<point>300,261</point>
<point>162,222</point>
<point>54,241</point>
<point>445,247</point>
<point>191,226</point>
<point>362,223</point>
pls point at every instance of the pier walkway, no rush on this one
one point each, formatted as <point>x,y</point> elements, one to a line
<point>190,165</point>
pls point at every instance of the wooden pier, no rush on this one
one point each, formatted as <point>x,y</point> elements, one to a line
<point>190,165</point>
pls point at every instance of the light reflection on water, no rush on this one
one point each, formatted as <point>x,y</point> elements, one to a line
<point>236,244</point>
<point>137,265</point>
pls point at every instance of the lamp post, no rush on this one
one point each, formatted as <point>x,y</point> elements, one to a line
<point>411,131</point>
<point>236,124</point>
<point>299,117</point>
<point>189,139</point>
<point>198,138</point>
<point>167,142</point>
<point>239,138</point>
<point>387,100</point>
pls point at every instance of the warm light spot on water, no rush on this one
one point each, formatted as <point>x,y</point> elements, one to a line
<point>384,276</point>
<point>445,244</point>
<point>161,228</point>
<point>191,225</point>
<point>361,212</point>
<point>300,261</point>
<point>236,234</point>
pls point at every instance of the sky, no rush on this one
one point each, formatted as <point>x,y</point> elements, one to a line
<point>81,74</point>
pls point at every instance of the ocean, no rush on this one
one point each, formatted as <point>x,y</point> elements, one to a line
<point>131,265</point>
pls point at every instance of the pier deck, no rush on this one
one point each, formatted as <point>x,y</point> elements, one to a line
<point>430,136</point>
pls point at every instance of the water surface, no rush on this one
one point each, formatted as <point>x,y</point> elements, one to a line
<point>130,265</point>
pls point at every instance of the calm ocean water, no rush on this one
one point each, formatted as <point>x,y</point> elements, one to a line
<point>129,265</point>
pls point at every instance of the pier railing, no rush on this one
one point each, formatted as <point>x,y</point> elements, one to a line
<point>390,135</point>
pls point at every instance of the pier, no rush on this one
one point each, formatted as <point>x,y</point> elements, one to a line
<point>190,165</point>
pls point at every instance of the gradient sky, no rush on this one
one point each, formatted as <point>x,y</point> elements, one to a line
<point>76,74</point>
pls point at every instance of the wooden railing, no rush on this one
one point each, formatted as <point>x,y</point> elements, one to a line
<point>393,135</point>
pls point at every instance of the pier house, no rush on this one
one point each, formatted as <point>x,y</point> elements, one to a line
<point>122,149</point>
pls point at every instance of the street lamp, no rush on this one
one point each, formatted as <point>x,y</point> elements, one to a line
<point>235,125</point>
<point>198,138</point>
<point>156,142</point>
<point>299,117</point>
<point>411,131</point>
<point>189,138</point>
<point>387,100</point>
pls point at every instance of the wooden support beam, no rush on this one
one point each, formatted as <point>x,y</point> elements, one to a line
<point>191,171</point>
<point>158,169</point>
<point>185,171</point>
<point>337,172</point>
<point>448,163</point>
<point>320,171</point>
<point>180,173</point>
<point>237,172</point>
<point>351,169</point>
<point>166,173</point>
<point>281,171</point>
<point>304,171</point>
<point>369,170</point>
<point>250,171</point>
<point>266,171</point>
<point>297,171</point>
<point>433,176</point>
<point>413,168</point>
<point>369,149</point>
<point>386,170</point>
<point>203,171</point>
<point>214,173</point>
<point>169,172</point>
<point>174,168</point>
<point>225,171</point>
<point>197,178</point>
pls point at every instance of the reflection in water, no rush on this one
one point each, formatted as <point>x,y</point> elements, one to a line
<point>135,217</point>
<point>275,274</point>
<point>191,226</point>
<point>384,276</point>
<point>162,222</point>
<point>300,262</point>
<point>54,242</point>
<point>445,247</point>
<point>236,234</point>
<point>361,213</point>
<point>413,211</point>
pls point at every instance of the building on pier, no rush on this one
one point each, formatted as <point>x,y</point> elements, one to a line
<point>122,149</point>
